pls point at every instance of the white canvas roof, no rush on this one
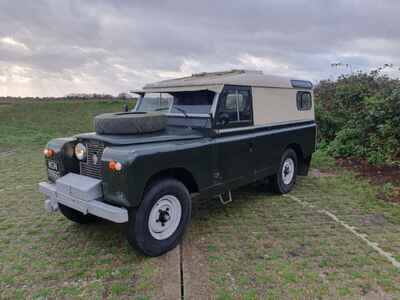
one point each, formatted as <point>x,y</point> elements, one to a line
<point>233,77</point>
<point>215,81</point>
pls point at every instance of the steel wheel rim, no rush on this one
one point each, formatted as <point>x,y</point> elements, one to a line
<point>288,171</point>
<point>165,217</point>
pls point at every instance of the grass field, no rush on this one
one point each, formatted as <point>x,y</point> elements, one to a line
<point>261,246</point>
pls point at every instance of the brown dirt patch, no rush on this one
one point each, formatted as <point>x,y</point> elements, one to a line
<point>374,219</point>
<point>378,175</point>
<point>319,173</point>
<point>195,270</point>
<point>168,284</point>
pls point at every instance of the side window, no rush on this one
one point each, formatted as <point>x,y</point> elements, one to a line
<point>230,103</point>
<point>234,108</point>
<point>304,101</point>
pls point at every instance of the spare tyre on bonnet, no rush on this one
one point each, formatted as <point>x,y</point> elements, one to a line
<point>129,122</point>
<point>220,131</point>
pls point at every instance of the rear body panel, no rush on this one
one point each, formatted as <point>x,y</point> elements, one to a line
<point>225,161</point>
<point>252,154</point>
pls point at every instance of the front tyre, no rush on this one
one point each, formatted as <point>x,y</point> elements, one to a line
<point>159,223</point>
<point>284,181</point>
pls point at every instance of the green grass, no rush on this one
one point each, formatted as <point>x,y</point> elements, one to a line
<point>44,255</point>
<point>261,246</point>
<point>33,124</point>
<point>322,161</point>
<point>273,247</point>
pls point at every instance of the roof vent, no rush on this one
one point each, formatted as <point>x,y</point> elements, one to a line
<point>234,71</point>
<point>302,84</point>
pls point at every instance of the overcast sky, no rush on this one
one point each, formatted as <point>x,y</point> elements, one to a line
<point>51,48</point>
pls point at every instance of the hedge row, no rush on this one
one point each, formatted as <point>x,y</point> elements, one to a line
<point>359,115</point>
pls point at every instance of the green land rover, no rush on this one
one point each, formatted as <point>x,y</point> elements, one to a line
<point>198,136</point>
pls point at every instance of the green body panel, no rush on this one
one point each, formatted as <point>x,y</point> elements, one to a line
<point>215,161</point>
<point>141,162</point>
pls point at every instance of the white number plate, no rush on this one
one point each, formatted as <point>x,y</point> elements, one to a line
<point>52,165</point>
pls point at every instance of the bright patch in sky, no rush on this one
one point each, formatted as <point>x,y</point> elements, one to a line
<point>11,42</point>
<point>54,48</point>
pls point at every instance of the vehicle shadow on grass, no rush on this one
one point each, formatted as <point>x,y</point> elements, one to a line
<point>108,235</point>
<point>240,197</point>
<point>110,238</point>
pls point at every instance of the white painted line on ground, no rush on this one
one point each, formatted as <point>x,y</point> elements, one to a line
<point>352,229</point>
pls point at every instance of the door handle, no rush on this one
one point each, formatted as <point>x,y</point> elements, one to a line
<point>251,147</point>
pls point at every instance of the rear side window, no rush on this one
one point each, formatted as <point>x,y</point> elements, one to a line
<point>304,101</point>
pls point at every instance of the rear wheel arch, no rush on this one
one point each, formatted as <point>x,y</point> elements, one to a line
<point>285,178</point>
<point>296,148</point>
<point>302,161</point>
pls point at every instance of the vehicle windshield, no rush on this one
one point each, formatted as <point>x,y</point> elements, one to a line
<point>155,102</point>
<point>194,102</point>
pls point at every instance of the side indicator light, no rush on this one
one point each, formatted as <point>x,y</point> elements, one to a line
<point>114,166</point>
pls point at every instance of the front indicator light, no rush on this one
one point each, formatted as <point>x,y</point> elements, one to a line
<point>49,153</point>
<point>114,165</point>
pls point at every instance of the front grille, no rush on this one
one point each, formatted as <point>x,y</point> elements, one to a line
<point>93,166</point>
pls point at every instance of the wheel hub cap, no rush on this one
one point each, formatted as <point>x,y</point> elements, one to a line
<point>288,171</point>
<point>165,217</point>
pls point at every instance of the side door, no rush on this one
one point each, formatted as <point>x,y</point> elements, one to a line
<point>234,144</point>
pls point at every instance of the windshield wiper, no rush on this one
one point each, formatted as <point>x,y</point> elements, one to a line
<point>182,111</point>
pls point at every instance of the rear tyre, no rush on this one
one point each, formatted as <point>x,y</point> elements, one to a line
<point>159,223</point>
<point>284,181</point>
<point>76,216</point>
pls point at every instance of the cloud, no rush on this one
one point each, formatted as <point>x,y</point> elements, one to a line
<point>9,41</point>
<point>113,46</point>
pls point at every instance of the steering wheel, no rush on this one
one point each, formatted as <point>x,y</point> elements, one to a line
<point>223,118</point>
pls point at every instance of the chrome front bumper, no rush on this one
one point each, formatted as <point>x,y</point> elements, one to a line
<point>83,194</point>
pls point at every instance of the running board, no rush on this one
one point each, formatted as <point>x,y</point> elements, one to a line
<point>222,200</point>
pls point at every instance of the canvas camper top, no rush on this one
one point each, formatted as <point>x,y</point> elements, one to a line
<point>216,80</point>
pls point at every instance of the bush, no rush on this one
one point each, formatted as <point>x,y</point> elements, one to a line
<point>346,143</point>
<point>359,115</point>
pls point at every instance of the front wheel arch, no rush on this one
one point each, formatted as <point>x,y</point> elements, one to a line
<point>181,174</point>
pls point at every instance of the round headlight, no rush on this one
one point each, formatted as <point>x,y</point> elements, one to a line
<point>80,151</point>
